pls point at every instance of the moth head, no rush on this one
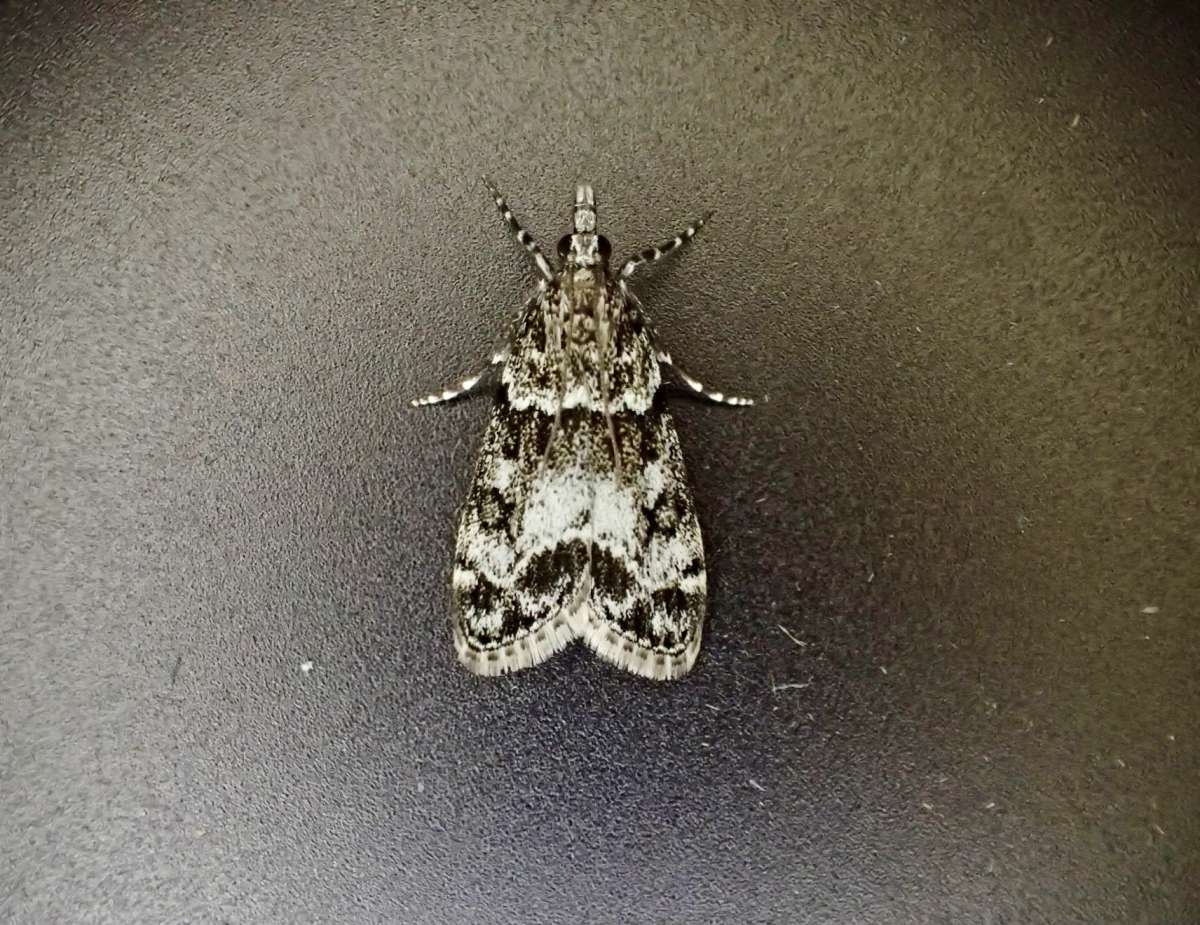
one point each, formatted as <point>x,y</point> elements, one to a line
<point>584,247</point>
<point>584,250</point>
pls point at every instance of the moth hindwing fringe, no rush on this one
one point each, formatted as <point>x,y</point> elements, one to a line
<point>579,523</point>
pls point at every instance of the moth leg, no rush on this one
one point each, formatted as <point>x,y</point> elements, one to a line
<point>698,387</point>
<point>463,388</point>
<point>652,254</point>
<point>524,238</point>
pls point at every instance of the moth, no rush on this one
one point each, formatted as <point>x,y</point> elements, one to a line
<point>579,523</point>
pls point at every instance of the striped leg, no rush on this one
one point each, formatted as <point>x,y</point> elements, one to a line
<point>651,254</point>
<point>523,237</point>
<point>698,387</point>
<point>464,387</point>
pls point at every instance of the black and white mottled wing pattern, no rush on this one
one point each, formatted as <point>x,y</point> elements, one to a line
<point>579,522</point>
<point>521,563</point>
<point>559,540</point>
<point>647,601</point>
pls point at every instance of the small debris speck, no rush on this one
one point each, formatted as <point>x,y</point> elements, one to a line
<point>756,785</point>
<point>1158,828</point>
<point>789,635</point>
<point>1049,41</point>
<point>306,667</point>
<point>928,807</point>
<point>989,805</point>
<point>1120,764</point>
<point>1075,120</point>
<point>420,786</point>
<point>1150,608</point>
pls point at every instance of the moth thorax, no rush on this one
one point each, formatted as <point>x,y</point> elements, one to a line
<point>585,250</point>
<point>585,303</point>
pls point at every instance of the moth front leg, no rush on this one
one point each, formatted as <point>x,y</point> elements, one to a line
<point>524,238</point>
<point>653,254</point>
<point>463,388</point>
<point>698,387</point>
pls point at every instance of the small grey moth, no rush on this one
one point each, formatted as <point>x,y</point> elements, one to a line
<point>580,523</point>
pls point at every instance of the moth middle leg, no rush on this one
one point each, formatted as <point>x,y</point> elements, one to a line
<point>699,388</point>
<point>465,387</point>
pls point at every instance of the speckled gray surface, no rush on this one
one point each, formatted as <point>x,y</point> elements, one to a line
<point>955,248</point>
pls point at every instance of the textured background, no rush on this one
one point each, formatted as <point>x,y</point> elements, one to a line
<point>955,250</point>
